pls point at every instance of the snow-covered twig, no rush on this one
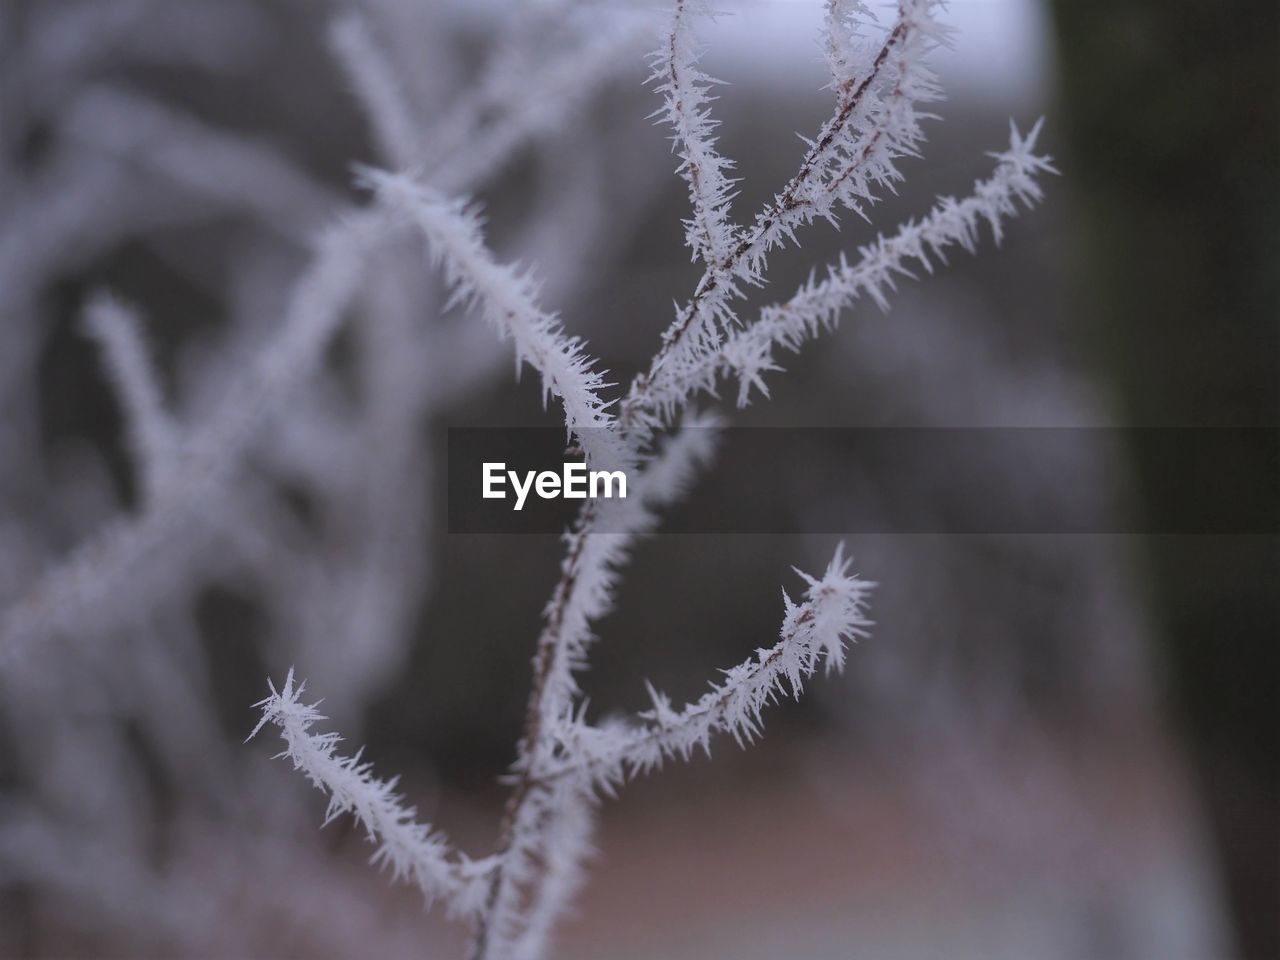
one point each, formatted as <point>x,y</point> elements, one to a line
<point>507,297</point>
<point>880,81</point>
<point>875,123</point>
<point>748,354</point>
<point>411,849</point>
<point>599,555</point>
<point>814,633</point>
<point>578,760</point>
<point>693,341</point>
<point>595,560</point>
<point>687,108</point>
<point>213,165</point>
<point>82,584</point>
<point>817,305</point>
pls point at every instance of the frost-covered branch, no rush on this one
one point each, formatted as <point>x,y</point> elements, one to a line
<point>663,390</point>
<point>507,297</point>
<point>583,590</point>
<point>412,850</point>
<point>576,760</point>
<point>220,885</point>
<point>61,44</point>
<point>817,305</point>
<point>566,844</point>
<point>875,123</point>
<point>814,633</point>
<point>598,554</point>
<point>579,600</point>
<point>687,108</point>
<point>571,609</point>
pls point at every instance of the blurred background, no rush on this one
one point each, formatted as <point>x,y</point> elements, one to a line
<point>1053,746</point>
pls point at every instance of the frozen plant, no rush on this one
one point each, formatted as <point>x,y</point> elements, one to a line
<point>108,687</point>
<point>881,81</point>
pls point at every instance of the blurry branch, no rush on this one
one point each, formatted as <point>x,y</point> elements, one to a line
<point>152,438</point>
<point>88,577</point>
<point>224,890</point>
<point>216,165</point>
<point>741,351</point>
<point>525,87</point>
<point>576,605</point>
<point>551,832</point>
<point>538,104</point>
<point>843,146</point>
<point>566,846</point>
<point>375,86</point>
